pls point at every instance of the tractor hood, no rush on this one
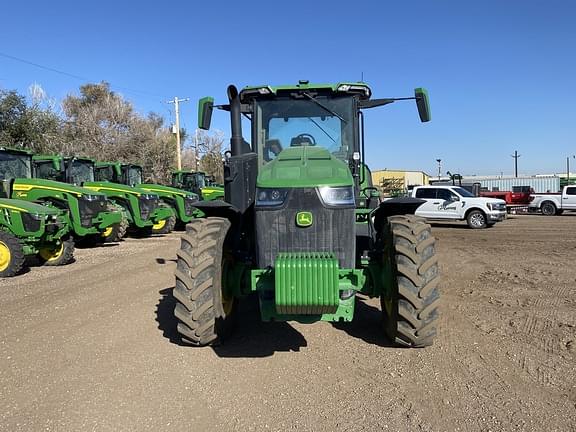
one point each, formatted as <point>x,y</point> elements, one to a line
<point>115,187</point>
<point>22,186</point>
<point>27,207</point>
<point>305,166</point>
<point>164,190</point>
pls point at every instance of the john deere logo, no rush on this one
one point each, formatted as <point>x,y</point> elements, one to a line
<point>304,219</point>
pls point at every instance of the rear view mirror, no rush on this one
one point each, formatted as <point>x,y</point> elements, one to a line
<point>205,107</point>
<point>423,104</point>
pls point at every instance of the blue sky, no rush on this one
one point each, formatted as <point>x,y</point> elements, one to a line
<point>499,73</point>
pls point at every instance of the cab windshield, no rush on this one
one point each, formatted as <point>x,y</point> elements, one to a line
<point>105,173</point>
<point>134,176</point>
<point>320,121</point>
<point>193,182</point>
<point>80,172</point>
<point>46,170</point>
<point>15,166</point>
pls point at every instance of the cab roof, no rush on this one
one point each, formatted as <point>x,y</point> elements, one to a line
<point>351,88</point>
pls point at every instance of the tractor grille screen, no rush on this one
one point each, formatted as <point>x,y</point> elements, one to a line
<point>147,206</point>
<point>90,208</point>
<point>332,229</point>
<point>189,205</point>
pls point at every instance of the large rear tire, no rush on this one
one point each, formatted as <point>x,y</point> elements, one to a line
<point>205,314</point>
<point>59,255</point>
<point>548,208</point>
<point>410,307</point>
<point>12,257</point>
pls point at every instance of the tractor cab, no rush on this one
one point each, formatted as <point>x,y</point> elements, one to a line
<point>15,163</point>
<point>190,181</point>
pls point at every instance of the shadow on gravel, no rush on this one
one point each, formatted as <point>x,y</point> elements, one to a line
<point>79,244</point>
<point>250,338</point>
<point>163,261</point>
<point>366,325</point>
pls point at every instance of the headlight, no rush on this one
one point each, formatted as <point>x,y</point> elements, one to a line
<point>342,195</point>
<point>192,197</point>
<point>270,197</point>
<point>92,197</point>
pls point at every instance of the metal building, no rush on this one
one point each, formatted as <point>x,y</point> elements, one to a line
<point>540,184</point>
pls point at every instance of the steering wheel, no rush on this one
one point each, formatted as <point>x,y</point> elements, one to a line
<point>307,135</point>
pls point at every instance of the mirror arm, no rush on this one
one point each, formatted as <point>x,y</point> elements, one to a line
<point>244,108</point>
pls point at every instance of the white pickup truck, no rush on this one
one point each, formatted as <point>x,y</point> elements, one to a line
<point>456,203</point>
<point>555,204</point>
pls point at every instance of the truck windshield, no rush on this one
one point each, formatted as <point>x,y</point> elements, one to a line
<point>322,121</point>
<point>134,176</point>
<point>80,172</point>
<point>15,166</point>
<point>463,192</point>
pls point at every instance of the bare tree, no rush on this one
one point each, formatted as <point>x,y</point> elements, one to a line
<point>209,153</point>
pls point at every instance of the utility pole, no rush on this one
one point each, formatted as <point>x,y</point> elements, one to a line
<point>439,167</point>
<point>176,103</point>
<point>568,168</point>
<point>196,150</point>
<point>515,156</point>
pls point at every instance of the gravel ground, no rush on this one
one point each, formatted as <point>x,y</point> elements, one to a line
<point>92,346</point>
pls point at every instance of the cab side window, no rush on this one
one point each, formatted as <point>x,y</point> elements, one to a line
<point>571,191</point>
<point>446,195</point>
<point>426,193</point>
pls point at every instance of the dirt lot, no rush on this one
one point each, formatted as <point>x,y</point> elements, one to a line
<point>92,347</point>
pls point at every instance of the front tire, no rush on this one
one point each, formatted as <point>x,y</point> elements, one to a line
<point>476,219</point>
<point>410,304</point>
<point>58,255</point>
<point>204,312</point>
<point>165,226</point>
<point>12,257</point>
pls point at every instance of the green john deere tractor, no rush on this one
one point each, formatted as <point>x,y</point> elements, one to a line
<point>86,210</point>
<point>139,208</point>
<point>301,225</point>
<point>181,202</point>
<point>199,183</point>
<point>29,229</point>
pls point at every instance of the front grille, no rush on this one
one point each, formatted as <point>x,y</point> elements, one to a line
<point>189,205</point>
<point>332,230</point>
<point>91,208</point>
<point>148,204</point>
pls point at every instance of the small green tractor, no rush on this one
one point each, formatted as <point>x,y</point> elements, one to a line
<point>28,229</point>
<point>199,183</point>
<point>87,211</point>
<point>181,202</point>
<point>140,208</point>
<point>301,225</point>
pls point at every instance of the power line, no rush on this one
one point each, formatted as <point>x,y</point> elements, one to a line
<point>78,77</point>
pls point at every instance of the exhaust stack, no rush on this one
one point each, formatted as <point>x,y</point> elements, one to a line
<point>236,140</point>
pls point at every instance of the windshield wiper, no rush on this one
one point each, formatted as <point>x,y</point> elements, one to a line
<point>322,129</point>
<point>321,105</point>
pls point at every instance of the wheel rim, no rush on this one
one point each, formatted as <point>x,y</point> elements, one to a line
<point>107,232</point>
<point>159,225</point>
<point>5,256</point>
<point>547,209</point>
<point>52,253</point>
<point>477,220</point>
